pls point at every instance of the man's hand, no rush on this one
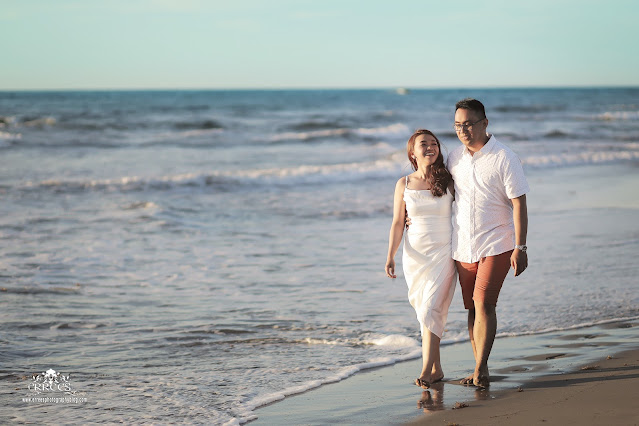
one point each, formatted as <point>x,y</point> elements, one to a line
<point>407,219</point>
<point>519,261</point>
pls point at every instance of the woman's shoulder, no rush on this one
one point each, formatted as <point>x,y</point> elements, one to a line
<point>402,180</point>
<point>401,183</point>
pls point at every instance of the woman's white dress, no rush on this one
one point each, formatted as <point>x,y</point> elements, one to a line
<point>427,259</point>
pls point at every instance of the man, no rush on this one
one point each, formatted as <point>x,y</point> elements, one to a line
<point>490,223</point>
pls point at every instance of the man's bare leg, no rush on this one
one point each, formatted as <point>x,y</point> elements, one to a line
<point>484,331</point>
<point>471,324</point>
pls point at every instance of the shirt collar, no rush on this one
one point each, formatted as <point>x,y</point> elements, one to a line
<point>488,146</point>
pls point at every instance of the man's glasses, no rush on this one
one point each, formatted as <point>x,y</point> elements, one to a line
<point>465,126</point>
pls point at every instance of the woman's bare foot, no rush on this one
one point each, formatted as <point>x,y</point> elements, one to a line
<point>437,377</point>
<point>422,383</point>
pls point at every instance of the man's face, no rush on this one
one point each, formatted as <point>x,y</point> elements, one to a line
<point>470,128</point>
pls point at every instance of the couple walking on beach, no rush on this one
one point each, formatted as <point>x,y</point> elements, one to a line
<point>467,217</point>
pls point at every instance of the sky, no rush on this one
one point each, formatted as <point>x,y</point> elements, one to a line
<point>273,44</point>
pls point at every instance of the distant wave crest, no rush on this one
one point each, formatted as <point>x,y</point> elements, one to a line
<point>388,167</point>
<point>604,154</point>
<point>198,125</point>
<point>227,180</point>
<point>40,122</point>
<point>390,130</point>
<point>619,115</point>
<point>10,136</point>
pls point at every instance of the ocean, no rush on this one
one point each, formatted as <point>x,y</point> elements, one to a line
<point>189,256</point>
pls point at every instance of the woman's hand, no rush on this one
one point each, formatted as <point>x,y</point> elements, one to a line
<point>390,268</point>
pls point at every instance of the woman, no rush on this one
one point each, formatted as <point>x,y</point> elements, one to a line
<point>426,195</point>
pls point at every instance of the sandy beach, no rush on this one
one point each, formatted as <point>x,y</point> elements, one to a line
<point>601,392</point>
<point>579,376</point>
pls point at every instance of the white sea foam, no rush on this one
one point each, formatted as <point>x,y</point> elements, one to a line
<point>7,121</point>
<point>10,136</point>
<point>390,130</point>
<point>579,158</point>
<point>40,122</point>
<point>247,413</point>
<point>312,341</point>
<point>619,115</point>
<point>387,167</point>
<point>396,340</point>
<point>141,205</point>
<point>305,174</point>
<point>391,341</point>
<point>309,135</point>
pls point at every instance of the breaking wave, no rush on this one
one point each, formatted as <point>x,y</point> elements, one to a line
<point>390,130</point>
<point>598,155</point>
<point>388,167</point>
<point>10,136</point>
<point>227,180</point>
<point>619,115</point>
<point>197,125</point>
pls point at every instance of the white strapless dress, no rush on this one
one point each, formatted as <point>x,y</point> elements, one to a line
<point>427,259</point>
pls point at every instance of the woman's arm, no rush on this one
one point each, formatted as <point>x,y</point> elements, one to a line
<point>397,227</point>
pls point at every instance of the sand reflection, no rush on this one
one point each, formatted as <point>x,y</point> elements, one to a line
<point>432,399</point>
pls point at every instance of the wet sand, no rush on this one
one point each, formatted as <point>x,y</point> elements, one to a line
<point>601,392</point>
<point>547,367</point>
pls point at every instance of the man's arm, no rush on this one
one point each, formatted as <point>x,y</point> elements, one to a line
<point>519,258</point>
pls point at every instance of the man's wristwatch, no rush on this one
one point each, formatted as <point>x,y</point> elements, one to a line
<point>522,248</point>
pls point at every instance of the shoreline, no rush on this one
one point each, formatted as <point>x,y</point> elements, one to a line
<point>386,395</point>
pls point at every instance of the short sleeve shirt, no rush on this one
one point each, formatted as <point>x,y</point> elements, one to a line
<point>483,213</point>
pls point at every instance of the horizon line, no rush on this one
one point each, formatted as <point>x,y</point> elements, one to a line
<point>327,88</point>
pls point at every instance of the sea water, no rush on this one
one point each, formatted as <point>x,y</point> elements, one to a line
<point>188,256</point>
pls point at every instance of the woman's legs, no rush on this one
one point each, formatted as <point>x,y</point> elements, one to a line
<point>431,364</point>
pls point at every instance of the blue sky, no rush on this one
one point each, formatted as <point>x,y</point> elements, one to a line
<point>136,44</point>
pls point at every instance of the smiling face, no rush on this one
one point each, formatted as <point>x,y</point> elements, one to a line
<point>471,129</point>
<point>426,150</point>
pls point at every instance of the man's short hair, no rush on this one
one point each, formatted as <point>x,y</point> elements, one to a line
<point>473,105</point>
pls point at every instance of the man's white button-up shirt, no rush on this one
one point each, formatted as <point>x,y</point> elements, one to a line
<point>483,213</point>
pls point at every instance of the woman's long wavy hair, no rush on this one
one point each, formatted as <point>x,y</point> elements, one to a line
<point>438,176</point>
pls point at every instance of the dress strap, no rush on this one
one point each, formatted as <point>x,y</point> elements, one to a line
<point>406,182</point>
